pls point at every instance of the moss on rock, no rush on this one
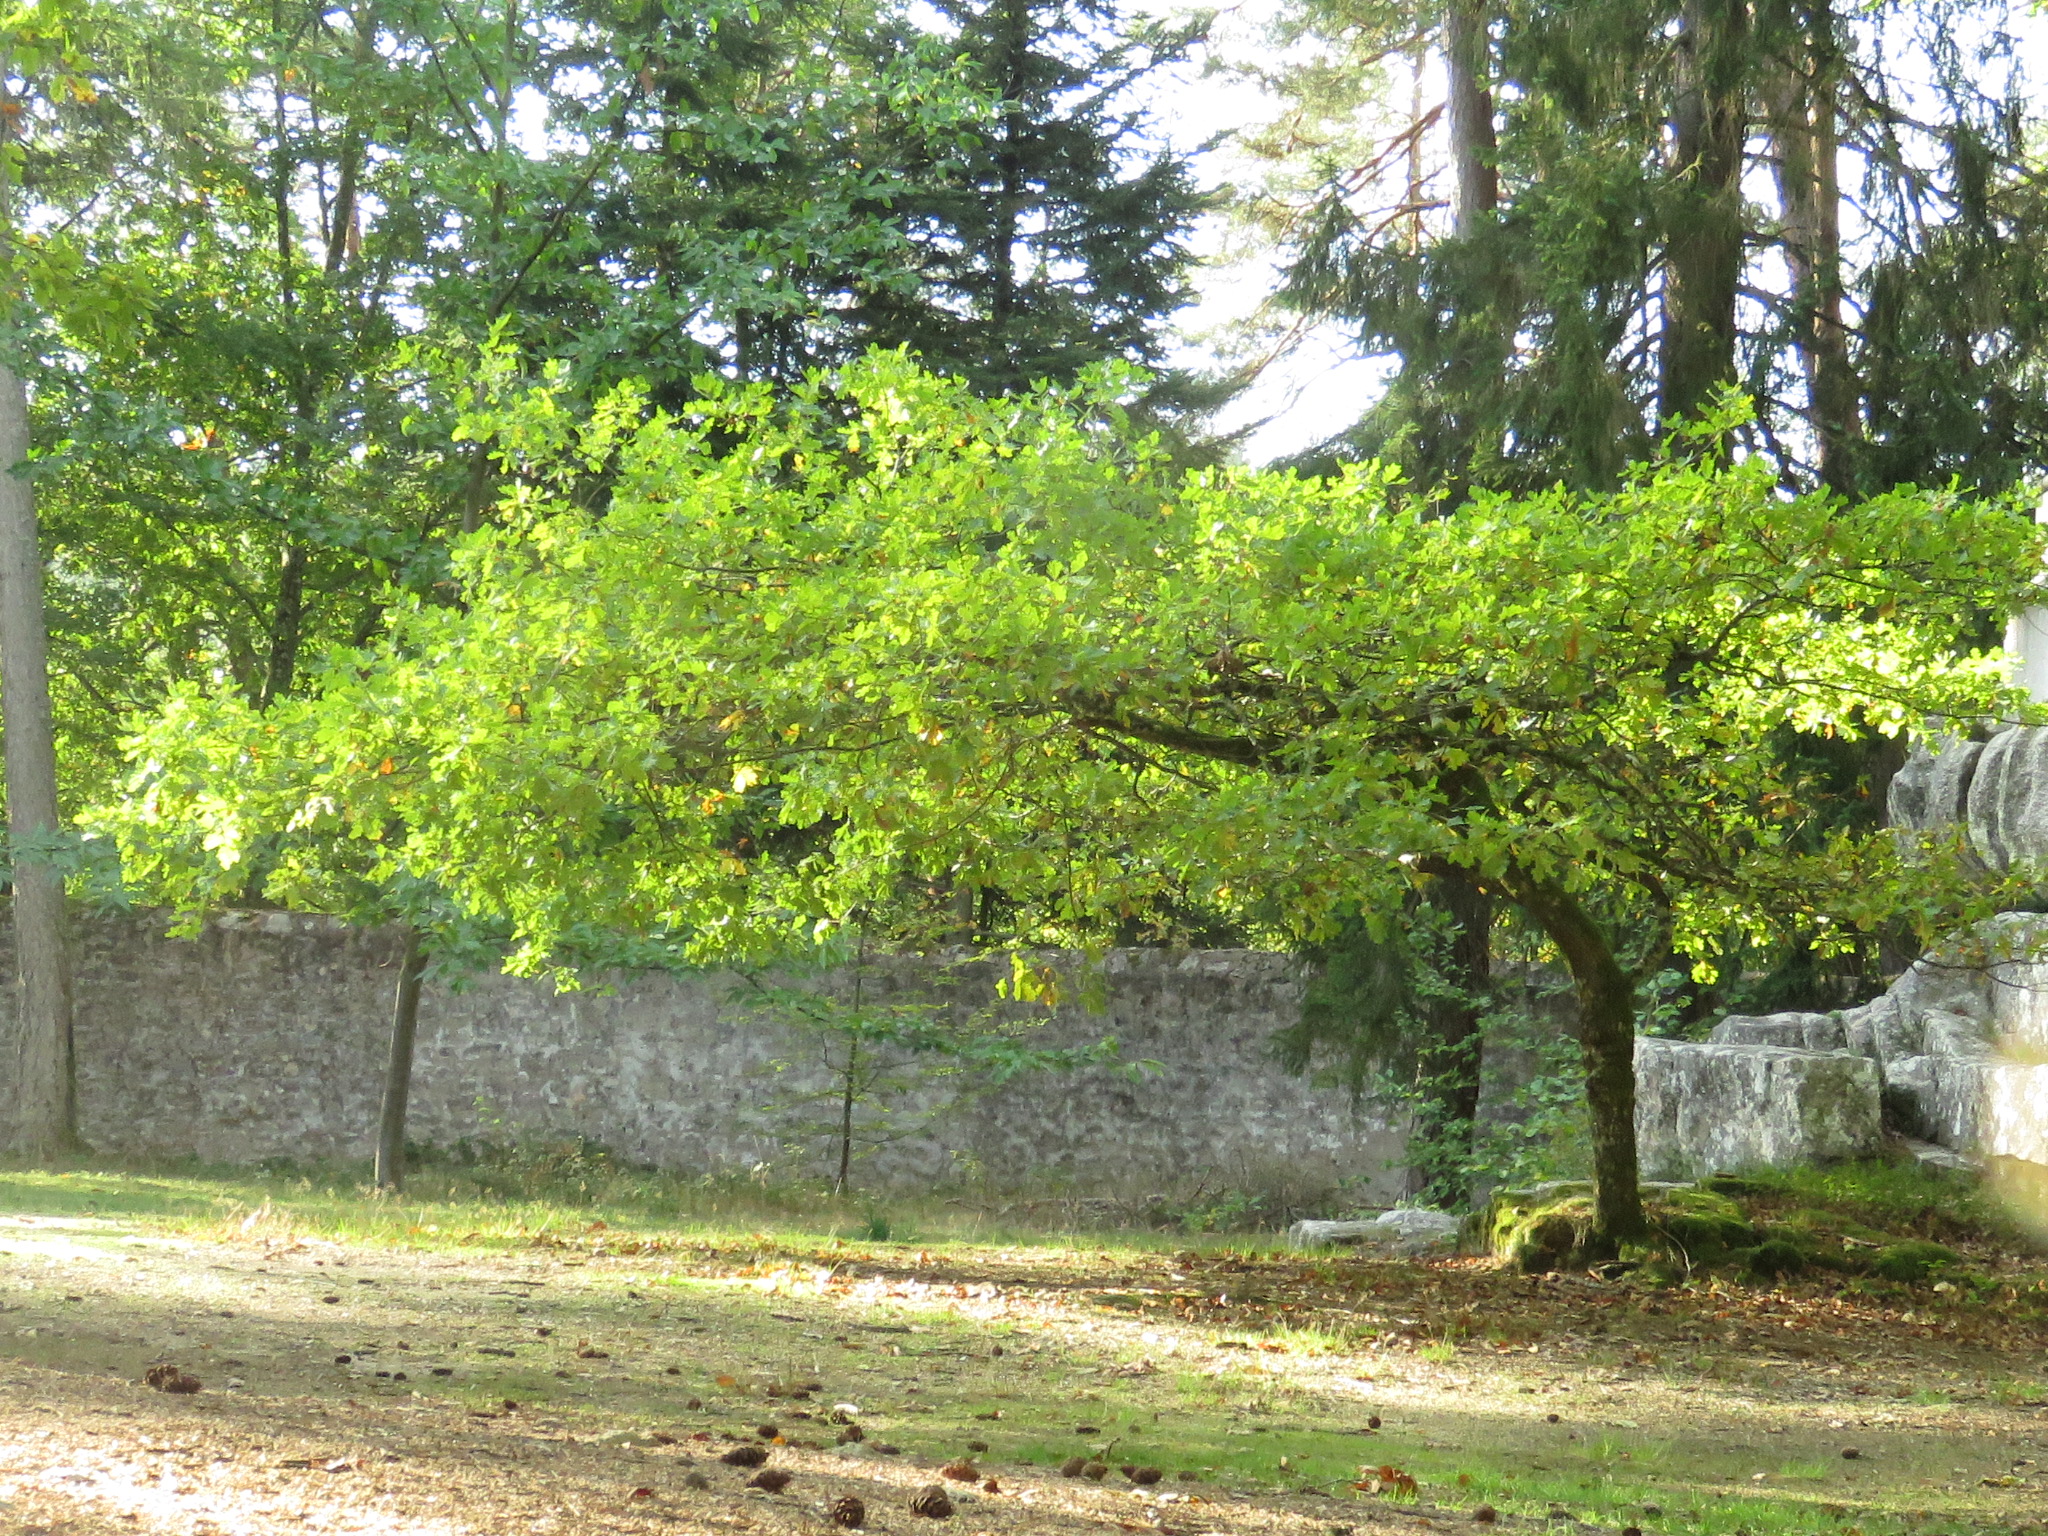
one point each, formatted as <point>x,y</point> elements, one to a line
<point>1912,1263</point>
<point>1774,1258</point>
<point>1547,1228</point>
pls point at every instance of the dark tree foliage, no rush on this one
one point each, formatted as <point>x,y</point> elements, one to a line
<point>1056,235</point>
<point>251,362</point>
<point>1832,209</point>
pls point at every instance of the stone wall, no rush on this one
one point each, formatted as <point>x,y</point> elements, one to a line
<point>265,1037</point>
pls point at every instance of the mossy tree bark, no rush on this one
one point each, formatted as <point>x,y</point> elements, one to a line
<point>1607,1048</point>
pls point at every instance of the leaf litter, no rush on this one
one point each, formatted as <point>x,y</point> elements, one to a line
<point>1375,1394</point>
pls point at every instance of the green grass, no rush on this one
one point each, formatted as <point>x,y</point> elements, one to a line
<point>446,1206</point>
<point>1879,1197</point>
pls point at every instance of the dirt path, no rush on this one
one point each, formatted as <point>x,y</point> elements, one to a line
<point>576,1389</point>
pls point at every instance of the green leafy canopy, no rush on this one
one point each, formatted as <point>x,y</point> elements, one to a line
<point>800,651</point>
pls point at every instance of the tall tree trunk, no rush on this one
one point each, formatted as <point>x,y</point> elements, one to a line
<point>405,1019</point>
<point>1453,1054</point>
<point>1607,1049</point>
<point>1473,146</point>
<point>1703,223</point>
<point>287,622</point>
<point>1805,126</point>
<point>46,1106</point>
<point>46,1100</point>
<point>1483,329</point>
<point>1016,46</point>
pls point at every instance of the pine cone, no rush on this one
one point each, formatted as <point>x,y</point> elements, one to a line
<point>745,1456</point>
<point>849,1512</point>
<point>1145,1477</point>
<point>932,1504</point>
<point>168,1378</point>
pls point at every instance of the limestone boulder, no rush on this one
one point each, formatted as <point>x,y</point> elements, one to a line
<point>1941,1160</point>
<point>1954,978</point>
<point>1796,1031</point>
<point>2015,958</point>
<point>1996,791</point>
<point>1708,1106</point>
<point>1980,1105</point>
<point>2013,1117</point>
<point>1932,790</point>
<point>1404,1230</point>
<point>1953,1034</point>
<point>2008,799</point>
<point>1936,1098</point>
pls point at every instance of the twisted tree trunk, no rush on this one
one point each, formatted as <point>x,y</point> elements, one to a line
<point>1607,1048</point>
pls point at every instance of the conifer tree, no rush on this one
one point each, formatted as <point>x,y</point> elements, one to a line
<point>1669,186</point>
<point>1057,235</point>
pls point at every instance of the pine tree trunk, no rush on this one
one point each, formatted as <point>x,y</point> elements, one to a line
<point>46,1113</point>
<point>1483,328</point>
<point>1703,221</point>
<point>405,1018</point>
<point>1805,126</point>
<point>1473,146</point>
<point>1009,203</point>
<point>1607,1049</point>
